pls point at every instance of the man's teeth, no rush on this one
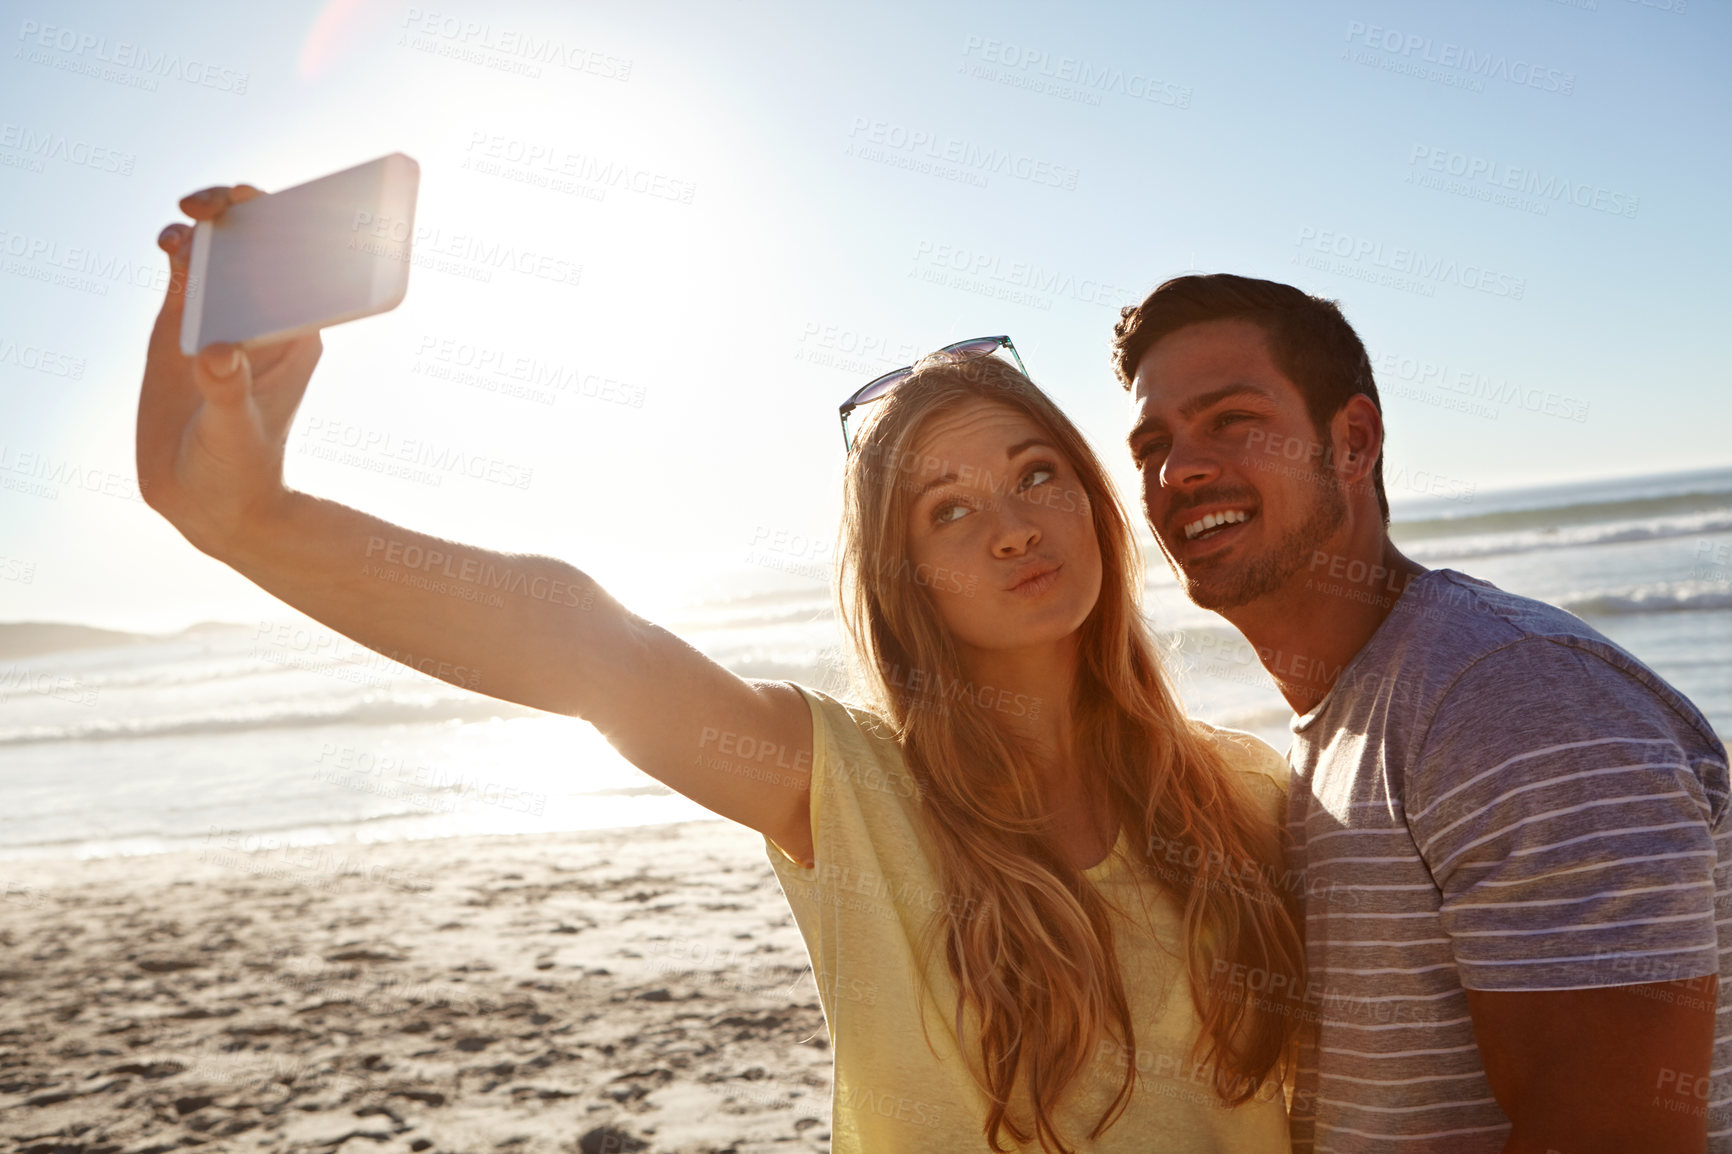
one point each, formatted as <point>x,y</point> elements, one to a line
<point>1204,524</point>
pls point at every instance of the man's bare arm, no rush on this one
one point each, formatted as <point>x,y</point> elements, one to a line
<point>1612,1070</point>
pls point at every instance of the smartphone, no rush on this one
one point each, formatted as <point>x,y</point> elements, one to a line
<point>331,250</point>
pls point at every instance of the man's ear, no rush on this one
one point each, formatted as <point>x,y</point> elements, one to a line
<point>1356,434</point>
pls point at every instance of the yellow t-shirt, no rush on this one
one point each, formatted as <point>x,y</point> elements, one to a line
<point>863,909</point>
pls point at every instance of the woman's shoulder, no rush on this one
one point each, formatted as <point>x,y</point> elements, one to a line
<point>1246,752</point>
<point>850,739</point>
<point>845,719</point>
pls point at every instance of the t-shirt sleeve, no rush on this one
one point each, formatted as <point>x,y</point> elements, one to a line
<point>860,803</point>
<point>1266,770</point>
<point>785,863</point>
<point>1565,811</point>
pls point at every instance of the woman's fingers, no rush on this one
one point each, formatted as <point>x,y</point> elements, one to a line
<point>202,437</point>
<point>176,241</point>
<point>210,203</point>
<point>173,240</point>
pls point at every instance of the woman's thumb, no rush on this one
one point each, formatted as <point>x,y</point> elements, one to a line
<point>224,375</point>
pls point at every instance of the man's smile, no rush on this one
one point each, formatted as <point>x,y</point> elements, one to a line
<point>1210,522</point>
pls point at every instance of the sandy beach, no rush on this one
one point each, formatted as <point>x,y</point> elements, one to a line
<point>623,990</point>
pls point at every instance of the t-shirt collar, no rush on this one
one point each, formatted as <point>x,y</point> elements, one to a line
<point>1376,641</point>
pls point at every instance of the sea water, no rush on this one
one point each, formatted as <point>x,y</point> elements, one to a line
<point>271,735</point>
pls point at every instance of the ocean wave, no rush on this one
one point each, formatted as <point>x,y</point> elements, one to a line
<point>1469,522</point>
<point>369,710</point>
<point>1553,537</point>
<point>1681,598</point>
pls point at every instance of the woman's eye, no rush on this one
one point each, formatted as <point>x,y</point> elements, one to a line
<point>947,512</point>
<point>1038,475</point>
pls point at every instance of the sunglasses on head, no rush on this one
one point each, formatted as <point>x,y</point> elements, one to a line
<point>879,387</point>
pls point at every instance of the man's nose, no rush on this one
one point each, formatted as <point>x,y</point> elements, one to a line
<point>1187,467</point>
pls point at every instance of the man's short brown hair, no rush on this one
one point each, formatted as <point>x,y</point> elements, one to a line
<point>1309,338</point>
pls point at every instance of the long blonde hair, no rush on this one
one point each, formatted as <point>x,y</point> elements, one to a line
<point>1034,956</point>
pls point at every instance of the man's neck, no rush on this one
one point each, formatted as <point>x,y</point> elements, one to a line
<point>1306,633</point>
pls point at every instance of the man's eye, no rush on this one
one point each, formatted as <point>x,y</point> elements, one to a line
<point>1231,418</point>
<point>1150,449</point>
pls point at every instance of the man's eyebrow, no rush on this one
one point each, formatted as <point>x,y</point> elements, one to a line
<point>1210,399</point>
<point>1010,454</point>
<point>1146,425</point>
<point>1197,405</point>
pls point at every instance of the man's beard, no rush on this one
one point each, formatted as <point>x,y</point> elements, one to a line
<point>1243,583</point>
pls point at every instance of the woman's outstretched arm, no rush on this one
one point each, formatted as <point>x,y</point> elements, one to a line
<point>533,630</point>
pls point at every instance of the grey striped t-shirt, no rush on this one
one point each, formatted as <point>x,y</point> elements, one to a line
<point>1493,797</point>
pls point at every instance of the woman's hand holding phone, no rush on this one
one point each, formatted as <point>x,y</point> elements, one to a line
<point>212,429</point>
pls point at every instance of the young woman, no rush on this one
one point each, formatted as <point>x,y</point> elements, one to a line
<point>1037,898</point>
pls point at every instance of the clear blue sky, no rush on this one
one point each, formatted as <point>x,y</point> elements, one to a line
<point>755,192</point>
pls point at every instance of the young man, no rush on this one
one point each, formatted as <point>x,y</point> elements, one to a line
<point>1512,831</point>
